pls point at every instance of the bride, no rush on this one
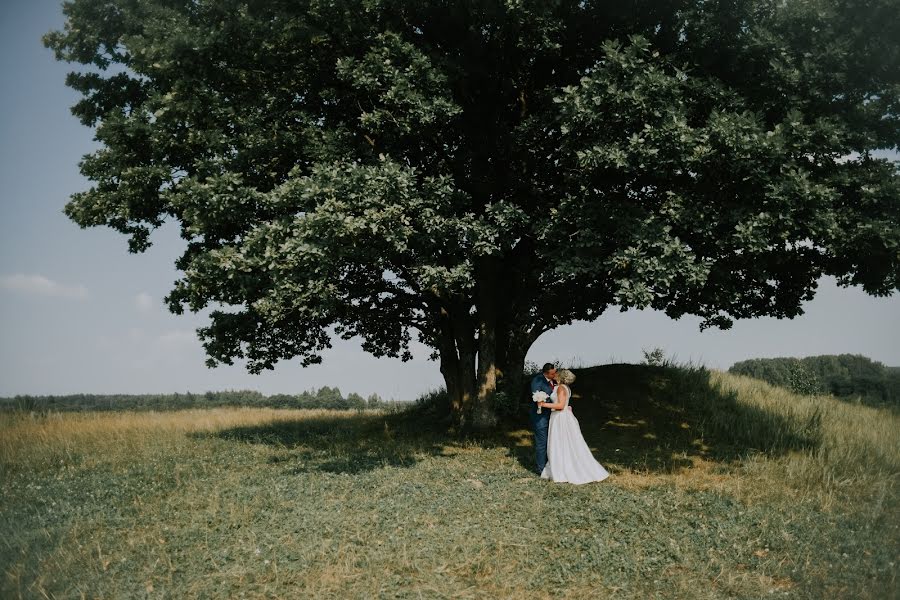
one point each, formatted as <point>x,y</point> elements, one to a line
<point>568,456</point>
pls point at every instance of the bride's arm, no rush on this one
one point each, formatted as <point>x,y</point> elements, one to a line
<point>560,400</point>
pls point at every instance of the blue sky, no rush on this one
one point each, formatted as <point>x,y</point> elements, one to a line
<point>82,315</point>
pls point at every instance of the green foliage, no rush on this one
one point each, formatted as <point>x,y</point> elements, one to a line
<point>530,368</point>
<point>655,357</point>
<point>407,94</point>
<point>505,404</point>
<point>844,375</point>
<point>803,380</point>
<point>356,401</point>
<point>396,169</point>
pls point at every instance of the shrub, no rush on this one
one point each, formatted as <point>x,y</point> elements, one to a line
<point>655,357</point>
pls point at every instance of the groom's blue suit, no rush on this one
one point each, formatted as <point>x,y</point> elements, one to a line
<point>540,422</point>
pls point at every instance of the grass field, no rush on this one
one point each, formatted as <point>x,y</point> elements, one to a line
<point>720,487</point>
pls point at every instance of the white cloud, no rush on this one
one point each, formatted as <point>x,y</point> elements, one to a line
<point>144,302</point>
<point>38,284</point>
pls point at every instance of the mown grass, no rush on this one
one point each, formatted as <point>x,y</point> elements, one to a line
<point>721,487</point>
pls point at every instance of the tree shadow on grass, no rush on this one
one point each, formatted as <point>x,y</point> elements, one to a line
<point>342,442</point>
<point>633,417</point>
<point>661,418</point>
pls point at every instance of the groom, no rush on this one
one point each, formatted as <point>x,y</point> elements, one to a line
<point>546,381</point>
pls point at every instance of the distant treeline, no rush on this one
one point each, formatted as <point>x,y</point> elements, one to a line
<point>843,375</point>
<point>325,397</point>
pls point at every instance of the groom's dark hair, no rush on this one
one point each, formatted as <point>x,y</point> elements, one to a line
<point>547,367</point>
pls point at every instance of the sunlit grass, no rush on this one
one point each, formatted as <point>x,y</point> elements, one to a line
<point>855,452</point>
<point>721,487</point>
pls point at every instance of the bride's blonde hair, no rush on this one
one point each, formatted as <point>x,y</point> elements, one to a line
<point>565,376</point>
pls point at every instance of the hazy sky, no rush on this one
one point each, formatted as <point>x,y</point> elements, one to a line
<point>82,315</point>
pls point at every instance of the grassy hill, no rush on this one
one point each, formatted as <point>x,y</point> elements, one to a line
<point>721,487</point>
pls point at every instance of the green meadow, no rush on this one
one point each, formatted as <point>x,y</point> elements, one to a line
<point>721,486</point>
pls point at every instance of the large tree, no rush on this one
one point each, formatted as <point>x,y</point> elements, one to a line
<point>476,173</point>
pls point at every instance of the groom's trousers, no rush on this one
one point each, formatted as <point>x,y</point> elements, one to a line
<point>541,425</point>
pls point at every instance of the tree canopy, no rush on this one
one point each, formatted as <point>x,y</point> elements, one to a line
<point>477,173</point>
<point>843,375</point>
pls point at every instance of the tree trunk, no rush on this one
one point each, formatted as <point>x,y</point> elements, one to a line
<point>500,369</point>
<point>475,370</point>
<point>456,346</point>
<point>487,275</point>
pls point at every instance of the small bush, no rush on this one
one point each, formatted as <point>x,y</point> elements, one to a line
<point>803,381</point>
<point>504,403</point>
<point>655,357</point>
<point>531,368</point>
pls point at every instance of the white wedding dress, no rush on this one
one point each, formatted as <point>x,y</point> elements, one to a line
<point>568,456</point>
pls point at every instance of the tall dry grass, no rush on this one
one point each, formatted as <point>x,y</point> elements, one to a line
<point>35,441</point>
<point>815,445</point>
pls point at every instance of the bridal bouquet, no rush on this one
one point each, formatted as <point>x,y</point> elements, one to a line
<point>539,396</point>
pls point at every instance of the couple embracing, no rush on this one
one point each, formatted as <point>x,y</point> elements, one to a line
<point>562,453</point>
